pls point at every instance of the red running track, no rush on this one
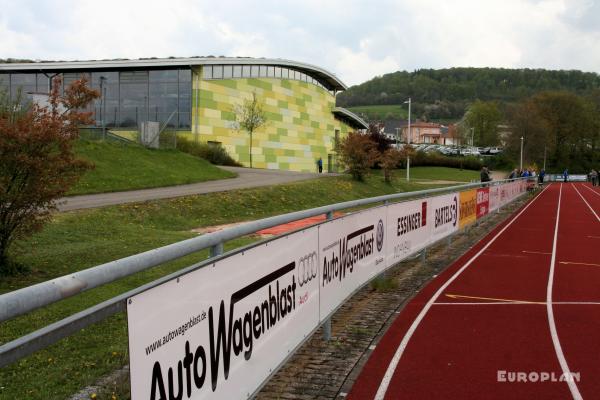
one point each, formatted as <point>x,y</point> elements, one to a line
<point>509,319</point>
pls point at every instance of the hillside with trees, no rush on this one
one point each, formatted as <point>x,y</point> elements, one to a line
<point>447,93</point>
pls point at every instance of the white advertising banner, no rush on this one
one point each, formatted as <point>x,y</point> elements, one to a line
<point>352,250</point>
<point>494,197</point>
<point>408,229</point>
<point>444,215</point>
<point>218,332</point>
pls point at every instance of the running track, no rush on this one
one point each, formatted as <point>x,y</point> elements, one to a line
<point>525,299</point>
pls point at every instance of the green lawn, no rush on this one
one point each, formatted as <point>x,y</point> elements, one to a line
<point>440,173</point>
<point>82,239</point>
<point>382,112</point>
<point>121,166</point>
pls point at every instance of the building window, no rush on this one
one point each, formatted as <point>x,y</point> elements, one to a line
<point>246,71</point>
<point>237,71</point>
<point>207,72</point>
<point>217,72</point>
<point>227,72</point>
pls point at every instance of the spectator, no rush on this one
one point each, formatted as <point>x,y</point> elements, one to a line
<point>594,177</point>
<point>541,176</point>
<point>485,174</point>
<point>566,175</point>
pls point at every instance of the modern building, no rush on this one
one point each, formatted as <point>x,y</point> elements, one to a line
<point>197,97</point>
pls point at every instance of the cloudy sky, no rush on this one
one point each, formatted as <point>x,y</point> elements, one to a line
<point>354,39</point>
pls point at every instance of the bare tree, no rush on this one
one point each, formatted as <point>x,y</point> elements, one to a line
<point>250,116</point>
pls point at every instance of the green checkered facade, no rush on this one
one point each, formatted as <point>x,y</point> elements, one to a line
<point>300,124</point>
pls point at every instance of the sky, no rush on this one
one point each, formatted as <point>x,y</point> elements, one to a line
<point>355,40</point>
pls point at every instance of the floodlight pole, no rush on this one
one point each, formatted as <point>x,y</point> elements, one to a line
<point>408,142</point>
<point>521,167</point>
<point>545,157</point>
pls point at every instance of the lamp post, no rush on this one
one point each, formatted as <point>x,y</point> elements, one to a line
<point>408,142</point>
<point>521,165</point>
<point>545,157</point>
<point>472,135</point>
<point>103,105</point>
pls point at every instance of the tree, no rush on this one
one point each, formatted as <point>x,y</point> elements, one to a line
<point>250,116</point>
<point>562,123</point>
<point>483,119</point>
<point>389,162</point>
<point>358,153</point>
<point>37,163</point>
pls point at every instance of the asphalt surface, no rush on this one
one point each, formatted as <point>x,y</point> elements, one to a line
<point>247,178</point>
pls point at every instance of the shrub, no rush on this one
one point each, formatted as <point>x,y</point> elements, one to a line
<point>422,159</point>
<point>358,153</point>
<point>389,161</point>
<point>214,153</point>
<point>38,164</point>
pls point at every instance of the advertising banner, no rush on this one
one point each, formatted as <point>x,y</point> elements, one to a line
<point>504,193</point>
<point>408,229</point>
<point>218,332</point>
<point>468,207</point>
<point>494,197</point>
<point>483,202</point>
<point>351,251</point>
<point>444,215</point>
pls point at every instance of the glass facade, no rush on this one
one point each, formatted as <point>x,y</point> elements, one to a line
<point>127,97</point>
<point>256,71</point>
<point>131,97</point>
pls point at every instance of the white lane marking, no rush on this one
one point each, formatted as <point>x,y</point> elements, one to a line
<point>586,203</point>
<point>385,382</point>
<point>579,263</point>
<point>552,324</point>
<point>536,252</point>
<point>590,189</point>
<point>521,303</point>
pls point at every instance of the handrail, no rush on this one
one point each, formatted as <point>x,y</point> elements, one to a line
<point>24,300</point>
<point>27,299</point>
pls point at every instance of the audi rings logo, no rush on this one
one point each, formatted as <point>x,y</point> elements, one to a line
<point>307,268</point>
<point>380,235</point>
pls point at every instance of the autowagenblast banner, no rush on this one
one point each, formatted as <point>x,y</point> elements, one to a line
<point>217,332</point>
<point>352,251</point>
<point>408,229</point>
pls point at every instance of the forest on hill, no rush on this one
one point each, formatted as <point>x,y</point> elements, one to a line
<point>447,93</point>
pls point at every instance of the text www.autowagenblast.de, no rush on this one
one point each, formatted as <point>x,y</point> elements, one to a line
<point>180,330</point>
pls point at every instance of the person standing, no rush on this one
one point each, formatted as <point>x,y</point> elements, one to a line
<point>485,174</point>
<point>594,177</point>
<point>566,175</point>
<point>541,177</point>
<point>320,165</point>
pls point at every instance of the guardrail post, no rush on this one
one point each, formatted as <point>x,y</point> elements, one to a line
<point>327,330</point>
<point>327,323</point>
<point>423,254</point>
<point>216,250</point>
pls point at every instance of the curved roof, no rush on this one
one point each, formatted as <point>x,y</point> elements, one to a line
<point>353,119</point>
<point>328,79</point>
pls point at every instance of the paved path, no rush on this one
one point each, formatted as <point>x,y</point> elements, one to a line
<point>247,178</point>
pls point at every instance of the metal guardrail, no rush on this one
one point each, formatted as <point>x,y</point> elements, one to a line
<point>22,301</point>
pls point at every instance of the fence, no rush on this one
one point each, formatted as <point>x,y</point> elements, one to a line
<point>280,290</point>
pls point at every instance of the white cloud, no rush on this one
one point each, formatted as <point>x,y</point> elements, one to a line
<point>356,40</point>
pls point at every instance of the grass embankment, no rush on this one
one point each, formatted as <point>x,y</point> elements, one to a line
<point>439,173</point>
<point>78,240</point>
<point>122,166</point>
<point>381,112</point>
